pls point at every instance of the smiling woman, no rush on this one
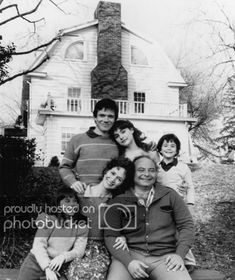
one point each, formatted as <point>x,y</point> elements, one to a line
<point>117,174</point>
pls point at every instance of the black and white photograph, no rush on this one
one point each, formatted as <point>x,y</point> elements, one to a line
<point>117,139</point>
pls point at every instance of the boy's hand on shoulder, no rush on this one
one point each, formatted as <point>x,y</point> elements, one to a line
<point>152,146</point>
<point>183,188</point>
<point>79,187</point>
<point>56,263</point>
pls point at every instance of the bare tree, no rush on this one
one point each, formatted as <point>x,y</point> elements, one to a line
<point>224,52</point>
<point>203,100</point>
<point>207,67</point>
<point>9,51</point>
<point>227,133</point>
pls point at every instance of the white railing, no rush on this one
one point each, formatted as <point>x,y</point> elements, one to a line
<point>126,108</point>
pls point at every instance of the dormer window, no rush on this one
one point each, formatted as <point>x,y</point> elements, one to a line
<point>138,57</point>
<point>75,51</point>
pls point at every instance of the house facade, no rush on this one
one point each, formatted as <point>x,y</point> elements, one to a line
<point>103,58</point>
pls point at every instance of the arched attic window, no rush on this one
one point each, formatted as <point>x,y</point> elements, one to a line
<point>138,57</point>
<point>75,51</point>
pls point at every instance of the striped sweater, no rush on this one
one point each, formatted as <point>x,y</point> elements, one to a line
<point>85,158</point>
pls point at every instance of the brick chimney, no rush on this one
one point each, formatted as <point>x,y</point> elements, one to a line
<point>109,78</point>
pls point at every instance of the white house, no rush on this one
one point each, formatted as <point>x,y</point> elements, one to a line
<point>96,59</point>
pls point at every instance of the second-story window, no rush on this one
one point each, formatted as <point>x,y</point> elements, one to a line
<point>139,100</point>
<point>138,57</point>
<point>75,51</point>
<point>73,99</point>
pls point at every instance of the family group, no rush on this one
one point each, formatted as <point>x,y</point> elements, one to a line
<point>124,212</point>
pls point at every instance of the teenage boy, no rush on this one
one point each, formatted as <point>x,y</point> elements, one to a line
<point>88,153</point>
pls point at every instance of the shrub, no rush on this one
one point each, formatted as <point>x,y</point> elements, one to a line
<point>17,156</point>
<point>41,184</point>
<point>54,162</point>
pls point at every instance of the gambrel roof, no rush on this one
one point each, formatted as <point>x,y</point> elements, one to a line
<point>175,79</point>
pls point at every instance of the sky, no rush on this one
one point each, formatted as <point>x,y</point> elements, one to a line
<point>180,27</point>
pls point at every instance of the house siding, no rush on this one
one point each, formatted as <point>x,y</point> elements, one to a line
<point>151,79</point>
<point>62,74</point>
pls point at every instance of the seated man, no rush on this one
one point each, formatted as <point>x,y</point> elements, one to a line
<point>149,216</point>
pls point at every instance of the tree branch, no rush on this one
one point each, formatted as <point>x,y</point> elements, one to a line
<point>228,20</point>
<point>38,47</point>
<point>206,151</point>
<point>24,72</point>
<point>221,63</point>
<point>57,6</point>
<point>7,7</point>
<point>20,15</point>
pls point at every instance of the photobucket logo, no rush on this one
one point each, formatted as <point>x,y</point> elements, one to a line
<point>128,214</point>
<point>23,209</point>
<point>30,209</point>
<point>15,223</point>
<point>46,223</point>
<point>67,224</point>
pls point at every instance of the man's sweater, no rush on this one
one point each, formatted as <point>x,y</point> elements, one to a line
<point>85,158</point>
<point>150,229</point>
<point>52,240</point>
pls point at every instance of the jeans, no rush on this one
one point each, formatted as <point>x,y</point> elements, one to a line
<point>30,269</point>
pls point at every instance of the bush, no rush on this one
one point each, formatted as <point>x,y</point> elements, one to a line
<point>36,191</point>
<point>54,162</point>
<point>40,185</point>
<point>17,156</point>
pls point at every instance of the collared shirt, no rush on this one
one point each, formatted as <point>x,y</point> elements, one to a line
<point>167,166</point>
<point>149,198</point>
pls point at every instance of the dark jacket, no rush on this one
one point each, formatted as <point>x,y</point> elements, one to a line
<point>151,230</point>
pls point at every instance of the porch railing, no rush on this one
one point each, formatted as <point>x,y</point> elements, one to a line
<point>126,108</point>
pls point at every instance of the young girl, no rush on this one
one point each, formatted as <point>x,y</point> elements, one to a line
<point>130,141</point>
<point>177,176</point>
<point>117,174</point>
<point>60,238</point>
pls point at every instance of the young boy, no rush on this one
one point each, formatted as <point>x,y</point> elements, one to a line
<point>177,176</point>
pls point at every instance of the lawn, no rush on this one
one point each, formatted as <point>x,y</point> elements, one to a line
<point>214,247</point>
<point>215,217</point>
